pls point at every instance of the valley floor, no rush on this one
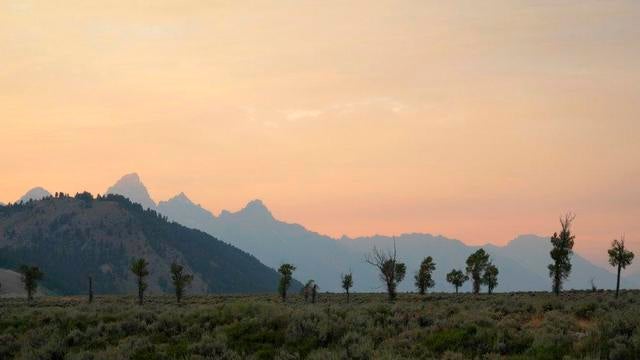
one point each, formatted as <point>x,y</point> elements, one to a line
<point>440,326</point>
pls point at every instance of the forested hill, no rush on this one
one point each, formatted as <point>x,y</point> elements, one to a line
<point>71,238</point>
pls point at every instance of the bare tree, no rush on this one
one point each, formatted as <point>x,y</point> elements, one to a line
<point>391,272</point>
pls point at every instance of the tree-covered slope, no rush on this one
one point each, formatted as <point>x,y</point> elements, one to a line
<point>71,238</point>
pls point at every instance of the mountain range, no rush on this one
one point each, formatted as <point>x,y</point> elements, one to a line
<point>71,238</point>
<point>253,229</point>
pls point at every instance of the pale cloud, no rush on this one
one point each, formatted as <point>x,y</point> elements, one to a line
<point>381,103</point>
<point>300,114</point>
<point>375,103</point>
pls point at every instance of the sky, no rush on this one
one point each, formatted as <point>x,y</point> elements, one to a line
<point>476,120</point>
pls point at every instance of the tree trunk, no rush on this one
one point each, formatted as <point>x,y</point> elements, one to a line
<point>618,282</point>
<point>140,291</point>
<point>476,285</point>
<point>347,296</point>
<point>90,289</point>
<point>391,289</point>
<point>456,289</point>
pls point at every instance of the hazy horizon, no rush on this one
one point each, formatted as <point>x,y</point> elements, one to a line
<point>475,121</point>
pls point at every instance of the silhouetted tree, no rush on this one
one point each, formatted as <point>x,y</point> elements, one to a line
<point>30,277</point>
<point>476,265</point>
<point>139,269</point>
<point>490,277</point>
<point>180,280</point>
<point>90,289</point>
<point>347,283</point>
<point>424,276</point>
<point>457,278</point>
<point>561,252</point>
<point>286,275</point>
<point>621,257</point>
<point>391,271</point>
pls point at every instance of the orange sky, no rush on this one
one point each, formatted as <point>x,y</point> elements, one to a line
<point>476,120</point>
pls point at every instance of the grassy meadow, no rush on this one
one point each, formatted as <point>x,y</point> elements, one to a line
<point>574,325</point>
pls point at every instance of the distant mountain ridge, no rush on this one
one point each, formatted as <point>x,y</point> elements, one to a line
<point>70,238</point>
<point>522,262</point>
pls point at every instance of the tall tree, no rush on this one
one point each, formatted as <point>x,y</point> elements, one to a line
<point>457,278</point>
<point>561,252</point>
<point>180,280</point>
<point>286,275</point>
<point>490,277</point>
<point>391,272</point>
<point>347,283</point>
<point>476,265</point>
<point>30,277</point>
<point>621,257</point>
<point>424,276</point>
<point>140,270</point>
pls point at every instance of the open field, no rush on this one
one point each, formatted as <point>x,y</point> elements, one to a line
<point>512,326</point>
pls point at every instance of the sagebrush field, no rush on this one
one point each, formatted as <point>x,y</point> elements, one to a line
<point>510,326</point>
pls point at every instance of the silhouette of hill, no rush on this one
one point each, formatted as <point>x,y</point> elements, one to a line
<point>254,229</point>
<point>70,238</point>
<point>522,263</point>
<point>12,285</point>
<point>37,193</point>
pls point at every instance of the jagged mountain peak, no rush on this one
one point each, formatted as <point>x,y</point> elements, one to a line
<point>131,187</point>
<point>256,208</point>
<point>37,193</point>
<point>181,198</point>
<point>132,178</point>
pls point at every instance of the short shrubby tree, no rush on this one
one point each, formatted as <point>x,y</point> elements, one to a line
<point>30,277</point>
<point>457,278</point>
<point>561,252</point>
<point>476,265</point>
<point>490,277</point>
<point>347,283</point>
<point>619,257</point>
<point>286,276</point>
<point>424,276</point>
<point>180,280</point>
<point>139,269</point>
